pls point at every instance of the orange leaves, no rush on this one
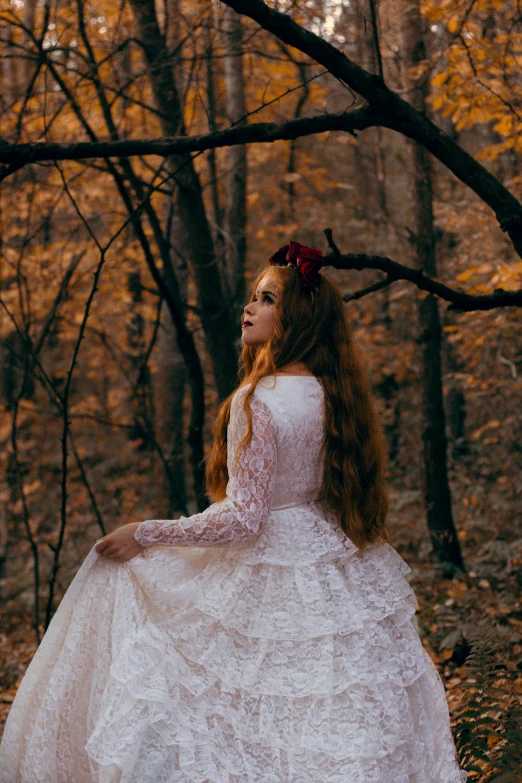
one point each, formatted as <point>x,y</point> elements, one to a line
<point>439,79</point>
<point>481,278</point>
<point>475,82</point>
<point>464,276</point>
<point>453,24</point>
<point>493,424</point>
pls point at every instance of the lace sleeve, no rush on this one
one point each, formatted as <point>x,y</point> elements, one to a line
<point>242,514</point>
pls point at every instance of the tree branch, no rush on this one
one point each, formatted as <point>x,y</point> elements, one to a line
<point>459,300</point>
<point>18,155</point>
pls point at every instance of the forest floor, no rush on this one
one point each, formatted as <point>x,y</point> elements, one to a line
<point>451,610</point>
<point>477,611</point>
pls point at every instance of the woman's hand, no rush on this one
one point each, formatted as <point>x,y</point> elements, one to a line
<point>120,545</point>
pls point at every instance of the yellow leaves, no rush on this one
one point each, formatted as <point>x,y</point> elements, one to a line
<point>464,276</point>
<point>505,125</point>
<point>492,152</point>
<point>490,425</point>
<point>466,116</point>
<point>439,79</point>
<point>477,83</point>
<point>89,404</point>
<point>419,71</point>
<point>5,427</point>
<point>509,277</point>
<point>494,275</point>
<point>32,487</point>
<point>453,24</point>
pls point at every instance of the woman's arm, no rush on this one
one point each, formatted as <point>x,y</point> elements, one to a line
<point>244,511</point>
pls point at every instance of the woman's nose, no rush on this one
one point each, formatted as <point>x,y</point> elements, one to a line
<point>247,308</point>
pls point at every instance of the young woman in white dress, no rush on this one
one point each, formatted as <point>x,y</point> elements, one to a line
<point>270,638</point>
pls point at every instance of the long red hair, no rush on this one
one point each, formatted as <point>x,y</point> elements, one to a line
<point>312,327</point>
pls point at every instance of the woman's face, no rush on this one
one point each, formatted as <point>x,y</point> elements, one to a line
<point>259,316</point>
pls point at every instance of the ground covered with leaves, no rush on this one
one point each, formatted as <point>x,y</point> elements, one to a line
<point>471,624</point>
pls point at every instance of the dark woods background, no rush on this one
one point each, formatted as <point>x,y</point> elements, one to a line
<point>125,267</point>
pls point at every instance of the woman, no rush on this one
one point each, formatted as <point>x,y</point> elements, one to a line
<point>270,638</point>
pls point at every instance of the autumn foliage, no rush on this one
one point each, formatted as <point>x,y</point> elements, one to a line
<point>95,256</point>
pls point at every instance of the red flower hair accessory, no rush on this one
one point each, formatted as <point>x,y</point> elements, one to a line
<point>307,261</point>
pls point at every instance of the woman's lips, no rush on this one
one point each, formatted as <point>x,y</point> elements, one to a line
<point>243,326</point>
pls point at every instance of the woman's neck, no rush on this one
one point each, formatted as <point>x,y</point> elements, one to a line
<point>297,368</point>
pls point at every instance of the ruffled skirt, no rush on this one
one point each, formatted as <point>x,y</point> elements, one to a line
<point>273,661</point>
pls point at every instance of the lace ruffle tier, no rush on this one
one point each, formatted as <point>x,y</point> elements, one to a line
<point>246,671</point>
<point>256,682</point>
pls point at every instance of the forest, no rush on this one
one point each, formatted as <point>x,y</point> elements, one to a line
<point>153,155</point>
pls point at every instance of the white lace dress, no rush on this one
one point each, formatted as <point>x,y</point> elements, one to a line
<point>250,643</point>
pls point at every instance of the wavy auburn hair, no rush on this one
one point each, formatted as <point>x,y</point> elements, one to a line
<point>312,327</point>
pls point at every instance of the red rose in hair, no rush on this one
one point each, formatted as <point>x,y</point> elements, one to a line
<point>279,258</point>
<point>294,252</point>
<point>310,274</point>
<point>307,261</point>
<point>311,254</point>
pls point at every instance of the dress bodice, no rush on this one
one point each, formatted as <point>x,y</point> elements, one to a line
<point>281,466</point>
<point>296,406</point>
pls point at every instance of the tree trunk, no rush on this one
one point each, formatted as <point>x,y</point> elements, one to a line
<point>216,210</point>
<point>437,494</point>
<point>28,65</point>
<point>236,181</point>
<point>171,378</point>
<point>215,320</point>
<point>369,144</point>
<point>170,393</point>
<point>9,73</point>
<point>136,351</point>
<point>17,67</point>
<point>455,397</point>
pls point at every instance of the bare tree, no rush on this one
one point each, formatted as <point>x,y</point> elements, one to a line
<point>371,148</point>
<point>437,494</point>
<point>171,379</point>
<point>215,319</point>
<point>9,72</point>
<point>28,66</point>
<point>236,180</point>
